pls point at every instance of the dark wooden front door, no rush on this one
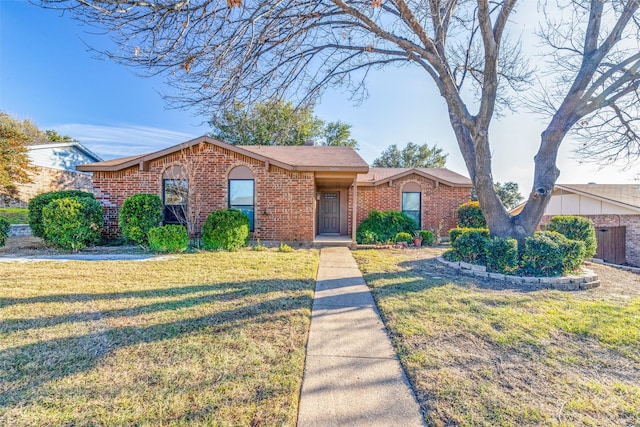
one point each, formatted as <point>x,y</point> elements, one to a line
<point>611,244</point>
<point>330,212</point>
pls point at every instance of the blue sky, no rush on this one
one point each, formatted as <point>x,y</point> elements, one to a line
<point>48,75</point>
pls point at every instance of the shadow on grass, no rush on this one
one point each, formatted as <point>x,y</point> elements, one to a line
<point>24,368</point>
<point>429,273</point>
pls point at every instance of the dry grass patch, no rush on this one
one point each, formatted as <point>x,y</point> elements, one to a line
<point>489,353</point>
<point>204,339</point>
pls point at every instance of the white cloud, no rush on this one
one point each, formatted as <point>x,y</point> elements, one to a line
<point>121,141</point>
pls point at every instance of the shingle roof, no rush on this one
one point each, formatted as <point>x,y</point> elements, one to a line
<point>626,194</point>
<point>304,158</point>
<point>310,156</point>
<point>377,176</point>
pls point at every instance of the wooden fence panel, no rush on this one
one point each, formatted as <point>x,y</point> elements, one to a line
<point>611,244</point>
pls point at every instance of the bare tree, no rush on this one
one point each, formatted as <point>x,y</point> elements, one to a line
<point>216,52</point>
<point>186,206</point>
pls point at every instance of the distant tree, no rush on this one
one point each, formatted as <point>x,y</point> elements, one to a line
<point>411,156</point>
<point>54,136</point>
<point>277,123</point>
<point>14,162</point>
<point>509,194</point>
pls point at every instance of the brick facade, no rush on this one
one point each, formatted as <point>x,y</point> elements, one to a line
<point>286,194</point>
<point>632,224</point>
<point>439,202</point>
<point>48,179</point>
<point>284,200</point>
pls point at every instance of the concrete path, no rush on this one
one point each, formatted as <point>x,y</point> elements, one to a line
<point>352,374</point>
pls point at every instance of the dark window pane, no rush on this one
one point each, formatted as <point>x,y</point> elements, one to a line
<point>413,214</point>
<point>240,192</point>
<point>176,191</point>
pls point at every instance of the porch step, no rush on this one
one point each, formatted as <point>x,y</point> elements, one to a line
<point>332,241</point>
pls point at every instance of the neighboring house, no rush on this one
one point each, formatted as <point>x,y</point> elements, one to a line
<point>289,193</point>
<point>614,210</point>
<point>54,168</point>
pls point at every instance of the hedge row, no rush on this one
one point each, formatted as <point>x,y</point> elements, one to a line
<point>546,253</point>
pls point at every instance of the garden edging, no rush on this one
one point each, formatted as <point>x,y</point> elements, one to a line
<point>587,280</point>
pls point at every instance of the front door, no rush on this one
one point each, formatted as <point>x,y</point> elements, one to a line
<point>330,212</point>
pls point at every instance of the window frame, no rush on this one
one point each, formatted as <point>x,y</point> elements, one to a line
<point>251,217</point>
<point>413,211</point>
<point>175,210</point>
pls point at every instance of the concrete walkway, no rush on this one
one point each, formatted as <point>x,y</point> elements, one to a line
<point>352,375</point>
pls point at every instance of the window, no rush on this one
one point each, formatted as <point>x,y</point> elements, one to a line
<point>411,201</point>
<point>241,192</point>
<point>175,199</point>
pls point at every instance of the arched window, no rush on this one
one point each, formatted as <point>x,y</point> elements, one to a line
<point>242,192</point>
<point>175,195</point>
<point>412,201</point>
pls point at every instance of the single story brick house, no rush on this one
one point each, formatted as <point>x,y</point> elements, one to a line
<point>289,193</point>
<point>614,210</point>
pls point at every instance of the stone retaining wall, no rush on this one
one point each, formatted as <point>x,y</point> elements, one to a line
<point>587,280</point>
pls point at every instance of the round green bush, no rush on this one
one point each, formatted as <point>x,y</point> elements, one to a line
<point>72,223</point>
<point>573,251</point>
<point>385,225</point>
<point>139,214</point>
<point>41,200</point>
<point>470,246</point>
<point>427,237</point>
<point>226,229</point>
<point>542,256</point>
<point>576,228</point>
<point>454,233</point>
<point>470,216</point>
<point>4,231</point>
<point>501,255</point>
<point>403,237</point>
<point>168,238</point>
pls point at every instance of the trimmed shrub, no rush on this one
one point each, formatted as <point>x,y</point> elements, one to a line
<point>139,214</point>
<point>542,256</point>
<point>403,237</point>
<point>454,233</point>
<point>72,223</point>
<point>576,228</point>
<point>573,251</point>
<point>470,245</point>
<point>226,229</point>
<point>385,225</point>
<point>41,200</point>
<point>501,255</point>
<point>470,216</point>
<point>4,231</point>
<point>168,238</point>
<point>427,237</point>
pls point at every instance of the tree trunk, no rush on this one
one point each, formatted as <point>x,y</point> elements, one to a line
<point>475,149</point>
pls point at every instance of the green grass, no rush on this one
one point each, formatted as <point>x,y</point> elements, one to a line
<point>203,339</point>
<point>483,353</point>
<point>15,215</point>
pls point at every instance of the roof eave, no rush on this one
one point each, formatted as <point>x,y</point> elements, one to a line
<point>595,196</point>
<point>418,172</point>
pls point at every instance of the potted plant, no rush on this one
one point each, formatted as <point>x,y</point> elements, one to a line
<point>417,239</point>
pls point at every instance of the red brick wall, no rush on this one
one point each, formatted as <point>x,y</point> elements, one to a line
<point>284,200</point>
<point>438,204</point>
<point>632,224</point>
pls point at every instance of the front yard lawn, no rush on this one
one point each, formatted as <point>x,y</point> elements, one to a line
<point>202,339</point>
<point>490,353</point>
<point>15,215</point>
